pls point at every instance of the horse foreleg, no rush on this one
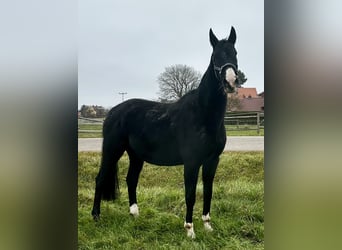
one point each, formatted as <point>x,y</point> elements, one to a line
<point>208,174</point>
<point>190,180</point>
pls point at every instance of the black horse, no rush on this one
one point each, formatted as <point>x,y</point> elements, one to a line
<point>190,131</point>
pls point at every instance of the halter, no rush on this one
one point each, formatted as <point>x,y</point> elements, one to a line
<point>218,69</point>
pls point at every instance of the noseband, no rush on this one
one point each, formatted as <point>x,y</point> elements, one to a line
<point>218,70</point>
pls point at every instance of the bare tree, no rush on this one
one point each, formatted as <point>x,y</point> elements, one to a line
<point>234,102</point>
<point>176,81</point>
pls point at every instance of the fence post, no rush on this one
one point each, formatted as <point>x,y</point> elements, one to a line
<point>258,122</point>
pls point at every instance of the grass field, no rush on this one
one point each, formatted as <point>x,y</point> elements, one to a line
<point>243,132</point>
<point>237,207</point>
<point>95,131</point>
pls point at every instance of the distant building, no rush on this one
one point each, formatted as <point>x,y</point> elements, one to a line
<point>248,100</point>
<point>247,93</point>
<point>252,104</point>
<point>262,94</point>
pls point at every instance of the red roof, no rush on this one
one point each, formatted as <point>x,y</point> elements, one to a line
<point>247,92</point>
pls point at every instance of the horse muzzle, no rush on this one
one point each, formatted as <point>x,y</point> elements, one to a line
<point>230,80</point>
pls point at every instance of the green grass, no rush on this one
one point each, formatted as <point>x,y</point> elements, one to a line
<point>96,133</point>
<point>90,134</point>
<point>237,207</point>
<point>90,126</point>
<point>244,132</point>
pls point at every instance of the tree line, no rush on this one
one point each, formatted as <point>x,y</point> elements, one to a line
<point>93,111</point>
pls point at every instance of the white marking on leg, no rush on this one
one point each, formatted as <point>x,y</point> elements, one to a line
<point>134,210</point>
<point>206,221</point>
<point>189,227</point>
<point>231,77</point>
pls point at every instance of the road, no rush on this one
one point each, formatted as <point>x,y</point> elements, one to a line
<point>234,143</point>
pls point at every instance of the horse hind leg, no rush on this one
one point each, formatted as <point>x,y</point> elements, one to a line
<point>107,185</point>
<point>135,167</point>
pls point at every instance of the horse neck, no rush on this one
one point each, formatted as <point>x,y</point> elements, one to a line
<point>212,95</point>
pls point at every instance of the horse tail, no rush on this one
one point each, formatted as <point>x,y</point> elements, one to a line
<point>107,179</point>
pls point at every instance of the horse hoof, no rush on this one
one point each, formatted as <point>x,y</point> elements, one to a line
<point>189,227</point>
<point>206,221</point>
<point>96,217</point>
<point>134,210</point>
<point>208,227</point>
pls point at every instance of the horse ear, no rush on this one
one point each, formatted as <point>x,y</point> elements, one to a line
<point>232,36</point>
<point>213,38</point>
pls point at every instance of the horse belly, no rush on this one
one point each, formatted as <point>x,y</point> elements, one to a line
<point>163,158</point>
<point>163,152</point>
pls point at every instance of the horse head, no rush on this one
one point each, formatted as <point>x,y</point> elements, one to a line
<point>224,60</point>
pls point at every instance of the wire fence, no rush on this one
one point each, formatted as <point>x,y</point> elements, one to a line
<point>244,121</point>
<point>234,121</point>
<point>90,125</point>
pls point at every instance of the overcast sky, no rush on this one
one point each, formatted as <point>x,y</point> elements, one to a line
<point>125,45</point>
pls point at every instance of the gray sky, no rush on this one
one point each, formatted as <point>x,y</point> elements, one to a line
<point>125,45</point>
